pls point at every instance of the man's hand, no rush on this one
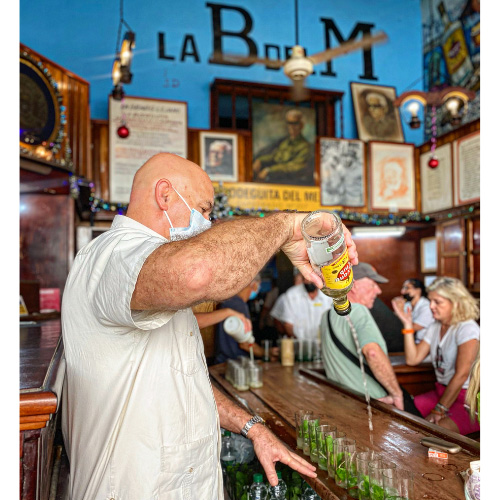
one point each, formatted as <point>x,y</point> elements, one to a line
<point>295,249</point>
<point>396,401</point>
<point>269,450</point>
<point>398,304</point>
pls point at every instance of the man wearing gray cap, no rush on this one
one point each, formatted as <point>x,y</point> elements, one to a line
<point>338,347</point>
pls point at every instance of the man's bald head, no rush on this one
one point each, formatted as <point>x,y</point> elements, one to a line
<point>155,183</point>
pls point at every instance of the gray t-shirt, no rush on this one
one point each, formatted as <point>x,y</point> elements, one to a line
<point>444,352</point>
<point>337,366</point>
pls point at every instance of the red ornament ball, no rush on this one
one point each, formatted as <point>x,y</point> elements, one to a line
<point>123,131</point>
<point>433,162</point>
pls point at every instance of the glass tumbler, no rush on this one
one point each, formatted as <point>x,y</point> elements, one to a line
<point>398,484</point>
<point>343,448</point>
<point>363,458</point>
<point>376,469</point>
<point>309,424</point>
<point>330,455</point>
<point>299,430</point>
<point>321,434</point>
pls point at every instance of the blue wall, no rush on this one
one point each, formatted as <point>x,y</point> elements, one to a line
<point>81,36</point>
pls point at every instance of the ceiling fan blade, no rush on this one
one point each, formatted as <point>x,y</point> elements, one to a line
<point>248,60</point>
<point>347,47</point>
<point>299,91</point>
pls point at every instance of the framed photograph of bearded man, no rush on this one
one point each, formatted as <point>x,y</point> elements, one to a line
<point>283,144</point>
<point>377,119</point>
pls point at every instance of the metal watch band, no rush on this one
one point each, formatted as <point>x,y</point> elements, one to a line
<point>254,420</point>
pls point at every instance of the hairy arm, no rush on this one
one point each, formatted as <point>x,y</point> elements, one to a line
<point>268,448</point>
<point>218,263</point>
<point>381,367</point>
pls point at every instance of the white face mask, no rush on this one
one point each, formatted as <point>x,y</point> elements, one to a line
<point>197,224</point>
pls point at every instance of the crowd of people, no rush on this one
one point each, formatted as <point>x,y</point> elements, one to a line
<point>133,347</point>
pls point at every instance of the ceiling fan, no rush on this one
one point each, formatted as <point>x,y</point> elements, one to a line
<point>299,66</point>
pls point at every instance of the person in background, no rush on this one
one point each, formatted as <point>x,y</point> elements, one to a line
<point>139,409</point>
<point>414,299</point>
<point>472,394</point>
<point>266,322</point>
<point>301,309</point>
<point>453,343</point>
<point>338,347</point>
<point>226,347</point>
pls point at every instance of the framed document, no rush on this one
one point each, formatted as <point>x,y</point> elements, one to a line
<point>428,255</point>
<point>467,169</point>
<point>155,125</point>
<point>377,119</point>
<point>342,172</point>
<point>219,155</point>
<point>436,185</point>
<point>392,176</point>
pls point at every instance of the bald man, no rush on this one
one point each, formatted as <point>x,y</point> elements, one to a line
<point>140,417</point>
<point>289,160</point>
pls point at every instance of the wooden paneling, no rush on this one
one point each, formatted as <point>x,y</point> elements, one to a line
<point>451,248</point>
<point>46,238</point>
<point>473,253</point>
<point>100,158</point>
<point>75,95</point>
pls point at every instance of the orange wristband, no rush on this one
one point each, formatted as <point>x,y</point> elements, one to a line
<point>404,331</point>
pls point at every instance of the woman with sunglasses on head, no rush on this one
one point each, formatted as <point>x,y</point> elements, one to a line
<point>453,343</point>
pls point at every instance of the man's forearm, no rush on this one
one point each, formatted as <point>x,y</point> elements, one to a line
<point>381,367</point>
<point>214,265</point>
<point>231,416</point>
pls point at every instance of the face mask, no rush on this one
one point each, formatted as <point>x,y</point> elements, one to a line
<point>197,224</point>
<point>253,295</point>
<point>407,297</point>
<point>310,287</point>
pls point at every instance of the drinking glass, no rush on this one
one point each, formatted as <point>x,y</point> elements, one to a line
<point>313,445</point>
<point>363,458</point>
<point>375,477</point>
<point>330,439</point>
<point>240,378</point>
<point>299,350</point>
<point>342,448</point>
<point>266,344</point>
<point>398,484</point>
<point>309,424</point>
<point>321,432</point>
<point>299,430</point>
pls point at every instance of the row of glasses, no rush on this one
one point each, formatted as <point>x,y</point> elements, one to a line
<point>307,350</point>
<point>364,473</point>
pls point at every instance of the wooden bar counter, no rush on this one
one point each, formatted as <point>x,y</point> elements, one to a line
<point>41,376</point>
<point>396,434</point>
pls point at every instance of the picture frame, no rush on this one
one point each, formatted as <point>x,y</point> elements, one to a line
<point>377,119</point>
<point>392,176</point>
<point>466,169</point>
<point>342,172</point>
<point>436,184</point>
<point>219,155</point>
<point>428,255</point>
<point>274,159</point>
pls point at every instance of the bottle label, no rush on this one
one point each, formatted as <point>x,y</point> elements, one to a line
<point>338,275</point>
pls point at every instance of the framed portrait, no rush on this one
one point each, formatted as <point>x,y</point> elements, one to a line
<point>436,186</point>
<point>219,155</point>
<point>428,255</point>
<point>342,172</point>
<point>392,176</point>
<point>283,144</point>
<point>377,119</point>
<point>466,168</point>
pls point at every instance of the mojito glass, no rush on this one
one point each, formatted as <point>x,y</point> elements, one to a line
<point>398,484</point>
<point>343,448</point>
<point>363,458</point>
<point>321,433</point>
<point>299,418</point>
<point>330,438</point>
<point>376,469</point>
<point>313,447</point>
<point>309,424</point>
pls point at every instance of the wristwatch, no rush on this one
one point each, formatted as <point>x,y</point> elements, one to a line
<point>254,420</point>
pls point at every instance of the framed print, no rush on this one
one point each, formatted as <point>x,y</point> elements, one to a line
<point>342,172</point>
<point>436,183</point>
<point>219,155</point>
<point>155,125</point>
<point>377,119</point>
<point>392,176</point>
<point>466,169</point>
<point>428,280</point>
<point>283,144</point>
<point>428,255</point>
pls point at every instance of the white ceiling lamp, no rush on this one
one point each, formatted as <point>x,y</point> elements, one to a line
<point>379,232</point>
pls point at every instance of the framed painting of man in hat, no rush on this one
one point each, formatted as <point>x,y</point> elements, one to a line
<point>283,142</point>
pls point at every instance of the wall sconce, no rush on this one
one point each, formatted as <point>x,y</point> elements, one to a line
<point>455,100</point>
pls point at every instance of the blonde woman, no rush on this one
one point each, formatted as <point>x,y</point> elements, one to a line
<point>453,343</point>
<point>472,395</point>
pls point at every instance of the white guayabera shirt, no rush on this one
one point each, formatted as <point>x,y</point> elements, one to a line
<point>140,420</point>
